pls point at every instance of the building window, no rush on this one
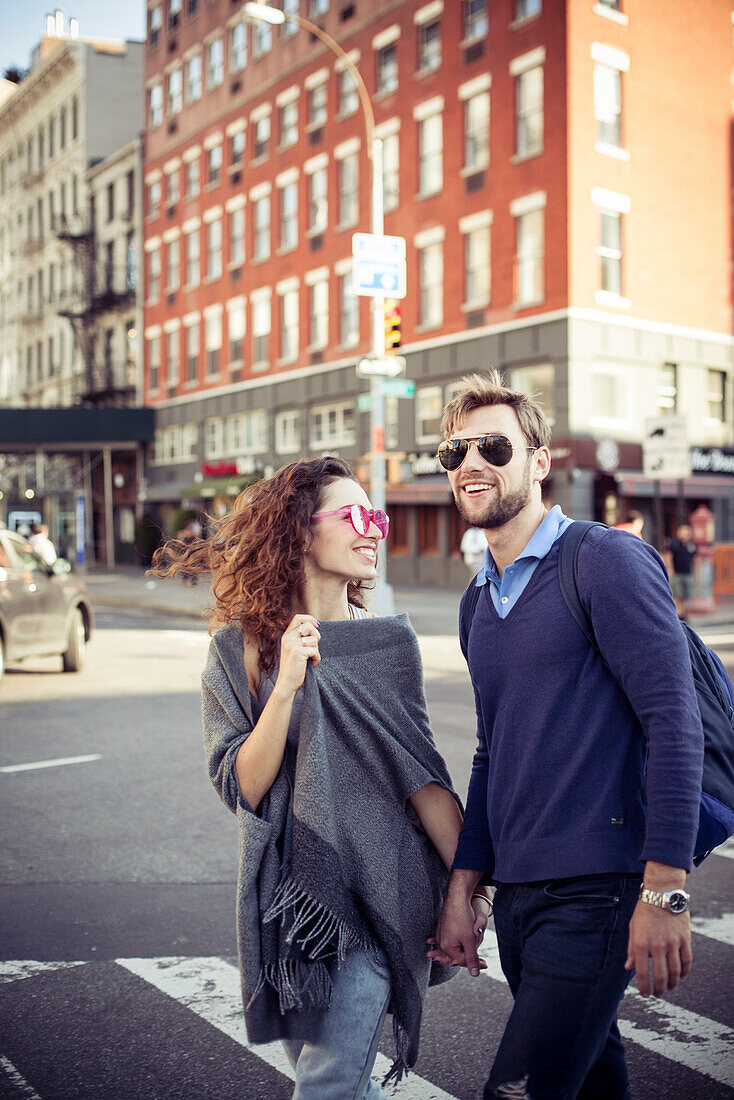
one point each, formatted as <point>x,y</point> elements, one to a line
<point>214,437</point>
<point>317,98</point>
<point>608,104</point>
<point>387,69</point>
<point>173,357</point>
<point>192,258</point>
<point>237,149</point>
<point>287,432</point>
<point>214,165</point>
<point>192,6</point>
<point>318,311</point>
<point>74,118</point>
<point>529,110</point>
<point>288,217</point>
<point>237,237</point>
<point>260,331</point>
<point>530,257</point>
<point>476,132</point>
<point>668,388</point>
<point>289,325</point>
<point>261,237</point>
<point>615,5</point>
<point>429,46</point>
<point>131,263</point>
<point>172,187</point>
<point>318,208</point>
<point>192,353</point>
<point>155,104</point>
<point>193,178</point>
<point>262,137</point>
<point>155,25</point>
<point>174,14</point>
<point>215,63</point>
<point>611,391</point>
<point>716,396</point>
<point>332,426</point>
<point>214,249</point>
<point>348,97</point>
<point>610,252</point>
<point>348,182</point>
<point>348,312</point>
<point>236,334</point>
<point>430,155</point>
<point>213,340</point>
<point>247,433</point>
<point>476,266</point>
<point>428,413</point>
<point>173,266</point>
<point>391,172</point>
<point>431,285</point>
<point>288,124</point>
<point>175,92</point>
<point>317,8</point>
<point>154,361</point>
<point>154,275</point>
<point>238,47</point>
<point>193,78</point>
<point>475,19</point>
<point>262,39</point>
<point>539,382</point>
<point>525,9</point>
<point>110,202</point>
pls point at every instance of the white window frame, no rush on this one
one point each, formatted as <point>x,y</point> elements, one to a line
<point>288,431</point>
<point>332,425</point>
<point>429,406</point>
<point>626,389</point>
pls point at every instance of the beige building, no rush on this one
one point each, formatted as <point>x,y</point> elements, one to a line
<point>81,104</point>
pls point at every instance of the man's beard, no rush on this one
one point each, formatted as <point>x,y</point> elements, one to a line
<point>502,508</point>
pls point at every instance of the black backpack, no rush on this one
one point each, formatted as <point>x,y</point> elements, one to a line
<point>714,691</point>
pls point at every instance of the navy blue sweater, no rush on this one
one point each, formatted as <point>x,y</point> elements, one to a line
<point>578,771</point>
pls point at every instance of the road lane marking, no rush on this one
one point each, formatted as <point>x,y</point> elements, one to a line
<point>210,987</point>
<point>18,1080</point>
<point>715,928</point>
<point>61,762</point>
<point>14,970</point>
<point>677,1033</point>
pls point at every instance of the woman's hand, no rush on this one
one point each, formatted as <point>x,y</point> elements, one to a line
<point>298,645</point>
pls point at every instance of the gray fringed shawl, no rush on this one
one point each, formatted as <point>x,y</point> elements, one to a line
<point>335,857</point>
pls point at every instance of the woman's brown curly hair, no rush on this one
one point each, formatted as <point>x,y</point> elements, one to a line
<point>255,552</point>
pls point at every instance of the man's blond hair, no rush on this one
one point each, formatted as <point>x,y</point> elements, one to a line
<point>480,390</point>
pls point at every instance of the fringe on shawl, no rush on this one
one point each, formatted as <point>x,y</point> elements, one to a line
<point>299,985</point>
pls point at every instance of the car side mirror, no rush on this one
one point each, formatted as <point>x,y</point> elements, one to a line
<point>61,567</point>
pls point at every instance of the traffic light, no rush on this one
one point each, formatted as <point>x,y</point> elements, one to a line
<point>393,337</point>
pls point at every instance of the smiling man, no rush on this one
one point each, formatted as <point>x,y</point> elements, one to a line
<point>584,795</point>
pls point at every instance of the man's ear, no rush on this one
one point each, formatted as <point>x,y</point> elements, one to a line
<point>542,463</point>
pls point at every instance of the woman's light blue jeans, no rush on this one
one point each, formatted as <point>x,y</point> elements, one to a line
<point>336,1064</point>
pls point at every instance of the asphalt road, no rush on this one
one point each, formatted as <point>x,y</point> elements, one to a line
<point>117,907</point>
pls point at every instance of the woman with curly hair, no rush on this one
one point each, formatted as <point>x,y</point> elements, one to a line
<point>317,738</point>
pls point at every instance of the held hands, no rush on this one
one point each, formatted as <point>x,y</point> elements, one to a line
<point>460,932</point>
<point>664,939</point>
<point>298,645</point>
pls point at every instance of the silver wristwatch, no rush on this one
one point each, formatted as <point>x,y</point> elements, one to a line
<point>675,901</point>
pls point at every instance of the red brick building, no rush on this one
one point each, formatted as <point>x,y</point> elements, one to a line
<point>561,172</point>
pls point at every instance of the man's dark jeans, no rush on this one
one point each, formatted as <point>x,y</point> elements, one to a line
<point>563,946</point>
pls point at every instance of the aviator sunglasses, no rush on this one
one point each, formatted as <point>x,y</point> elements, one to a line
<point>495,449</point>
<point>360,518</point>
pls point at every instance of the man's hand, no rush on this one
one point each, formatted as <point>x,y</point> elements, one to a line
<point>456,940</point>
<point>663,938</point>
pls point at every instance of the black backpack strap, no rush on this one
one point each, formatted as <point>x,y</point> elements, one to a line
<point>568,574</point>
<point>466,613</point>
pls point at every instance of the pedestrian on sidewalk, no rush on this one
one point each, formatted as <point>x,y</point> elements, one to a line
<point>680,559</point>
<point>473,549</point>
<point>583,802</point>
<point>42,544</point>
<point>633,523</point>
<point>317,738</point>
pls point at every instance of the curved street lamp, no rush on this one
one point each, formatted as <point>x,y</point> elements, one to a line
<point>382,602</point>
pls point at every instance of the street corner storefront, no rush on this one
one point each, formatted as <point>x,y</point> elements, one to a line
<point>80,471</point>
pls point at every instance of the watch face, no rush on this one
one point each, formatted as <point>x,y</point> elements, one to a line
<point>677,901</point>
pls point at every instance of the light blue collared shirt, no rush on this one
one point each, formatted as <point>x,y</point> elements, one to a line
<point>506,591</point>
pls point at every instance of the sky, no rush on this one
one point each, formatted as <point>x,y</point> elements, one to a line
<point>22,22</point>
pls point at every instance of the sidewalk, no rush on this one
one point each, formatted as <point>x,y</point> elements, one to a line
<point>432,610</point>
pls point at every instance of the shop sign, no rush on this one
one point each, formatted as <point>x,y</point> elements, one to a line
<point>712,460</point>
<point>239,467</point>
<point>425,464</point>
<point>665,448</point>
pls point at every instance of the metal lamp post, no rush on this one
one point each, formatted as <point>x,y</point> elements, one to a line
<point>382,602</point>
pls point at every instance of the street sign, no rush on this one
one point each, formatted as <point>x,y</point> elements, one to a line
<point>665,450</point>
<point>364,402</point>
<point>389,367</point>
<point>398,387</point>
<point>379,266</point>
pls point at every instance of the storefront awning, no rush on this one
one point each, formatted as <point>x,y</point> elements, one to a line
<point>210,487</point>
<point>422,491</point>
<point>634,484</point>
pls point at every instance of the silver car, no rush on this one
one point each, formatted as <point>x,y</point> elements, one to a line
<point>44,609</point>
